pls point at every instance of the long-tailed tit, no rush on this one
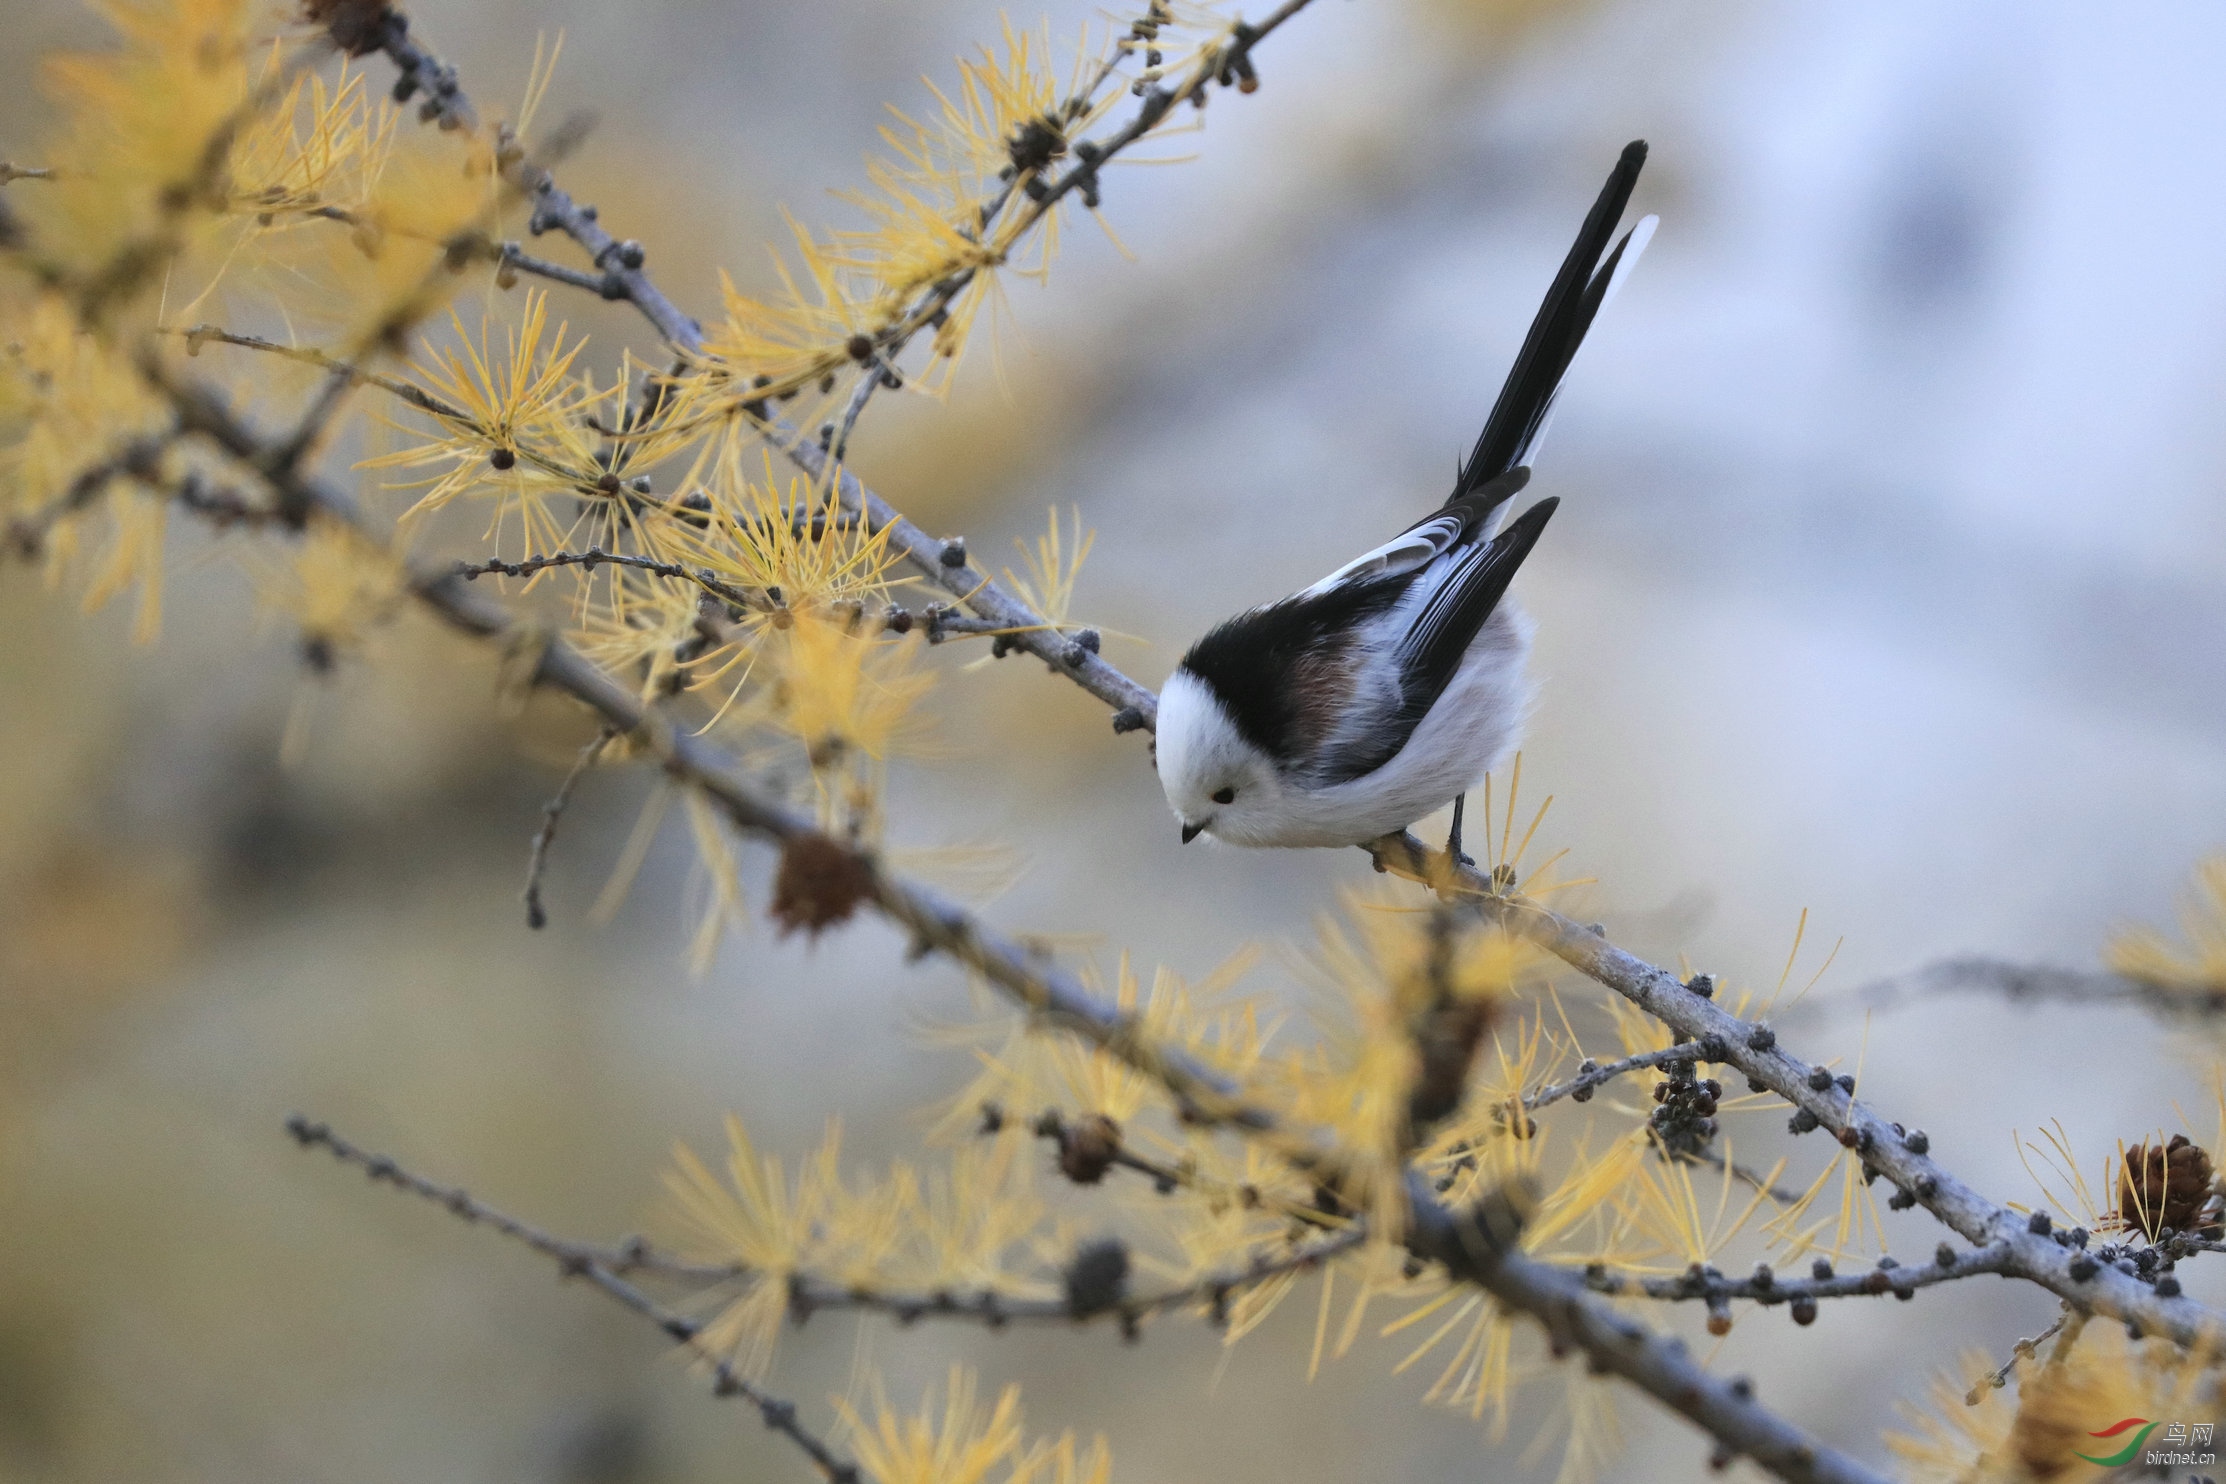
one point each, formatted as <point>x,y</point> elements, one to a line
<point>1394,684</point>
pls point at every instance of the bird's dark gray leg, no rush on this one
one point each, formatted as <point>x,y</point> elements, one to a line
<point>1453,836</point>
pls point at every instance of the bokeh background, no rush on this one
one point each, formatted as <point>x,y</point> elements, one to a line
<point>1887,585</point>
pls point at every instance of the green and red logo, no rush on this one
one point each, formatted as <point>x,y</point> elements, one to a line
<point>2126,1454</point>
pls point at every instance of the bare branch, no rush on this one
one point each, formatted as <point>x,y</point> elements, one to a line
<point>1900,1155</point>
<point>139,457</point>
<point>1592,1074</point>
<point>525,262</point>
<point>1744,1174</point>
<point>1471,1245</point>
<point>445,103</point>
<point>1764,1287</point>
<point>408,391</point>
<point>1481,1246</point>
<point>808,1293</point>
<point>2028,984</point>
<point>1210,1293</point>
<point>870,378</point>
<point>596,556</point>
<point>551,813</point>
<point>1091,1146</point>
<point>575,1260</point>
<point>1999,1377</point>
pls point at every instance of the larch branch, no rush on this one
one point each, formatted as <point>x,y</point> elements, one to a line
<point>810,1293</point>
<point>1592,1075</point>
<point>1480,1245</point>
<point>1555,1297</point>
<point>1893,1152</point>
<point>2032,984</point>
<point>576,1260</point>
<point>622,276</point>
<point>552,814</point>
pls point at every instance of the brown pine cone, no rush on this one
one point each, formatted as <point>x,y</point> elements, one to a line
<point>2167,1185</point>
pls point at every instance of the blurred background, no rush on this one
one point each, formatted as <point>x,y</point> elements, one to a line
<point>1887,585</point>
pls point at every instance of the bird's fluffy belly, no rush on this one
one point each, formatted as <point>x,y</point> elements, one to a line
<point>1471,730</point>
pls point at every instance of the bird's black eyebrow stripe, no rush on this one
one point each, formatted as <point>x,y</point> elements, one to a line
<point>1249,661</point>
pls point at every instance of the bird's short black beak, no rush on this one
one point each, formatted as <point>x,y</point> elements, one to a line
<point>1192,831</point>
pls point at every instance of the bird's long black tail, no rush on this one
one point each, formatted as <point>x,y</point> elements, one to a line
<point>1577,293</point>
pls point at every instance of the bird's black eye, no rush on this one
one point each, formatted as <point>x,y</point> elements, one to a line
<point>1224,796</point>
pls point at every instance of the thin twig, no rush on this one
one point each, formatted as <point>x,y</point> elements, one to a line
<point>10,172</point>
<point>1228,64</point>
<point>552,812</point>
<point>138,457</point>
<point>1593,1074</point>
<point>600,482</point>
<point>596,556</point>
<point>869,380</point>
<point>574,1260</point>
<point>1211,1292</point>
<point>1746,1175</point>
<point>1091,1146</point>
<point>808,1293</point>
<point>2024,984</point>
<point>343,378</point>
<point>986,1306</point>
<point>1998,1378</point>
<point>503,254</point>
<point>525,262</point>
<point>197,336</point>
<point>1765,1287</point>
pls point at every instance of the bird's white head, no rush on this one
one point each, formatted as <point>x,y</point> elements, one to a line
<point>1216,782</point>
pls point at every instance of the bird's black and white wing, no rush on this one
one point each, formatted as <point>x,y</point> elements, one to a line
<point>1414,650</point>
<point>1452,609</point>
<point>1427,539</point>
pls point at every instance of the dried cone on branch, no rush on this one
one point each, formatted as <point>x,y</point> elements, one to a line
<point>2166,1185</point>
<point>820,883</point>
